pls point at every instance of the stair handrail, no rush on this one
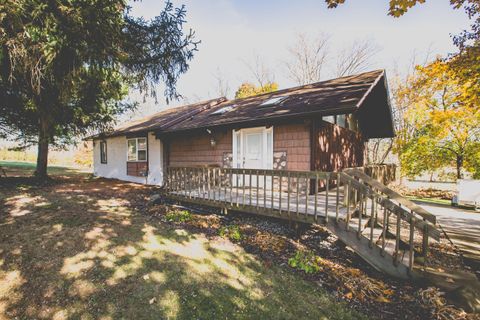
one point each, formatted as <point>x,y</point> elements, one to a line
<point>393,207</point>
<point>391,194</point>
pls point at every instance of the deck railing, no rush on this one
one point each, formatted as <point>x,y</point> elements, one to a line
<point>407,225</point>
<point>312,197</point>
<point>290,194</point>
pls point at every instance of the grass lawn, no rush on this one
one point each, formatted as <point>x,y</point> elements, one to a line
<point>25,169</point>
<point>431,200</point>
<point>78,248</point>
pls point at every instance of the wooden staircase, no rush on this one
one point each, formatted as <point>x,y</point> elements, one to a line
<point>387,230</point>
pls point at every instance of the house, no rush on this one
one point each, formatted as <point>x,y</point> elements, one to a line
<point>317,127</point>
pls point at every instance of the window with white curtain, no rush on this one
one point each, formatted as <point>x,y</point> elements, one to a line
<point>137,149</point>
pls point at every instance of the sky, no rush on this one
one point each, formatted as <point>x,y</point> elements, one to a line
<point>234,32</point>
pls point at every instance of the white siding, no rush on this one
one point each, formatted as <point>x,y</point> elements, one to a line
<point>116,166</point>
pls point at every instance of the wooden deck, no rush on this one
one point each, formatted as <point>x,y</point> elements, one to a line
<point>359,211</point>
<point>311,208</point>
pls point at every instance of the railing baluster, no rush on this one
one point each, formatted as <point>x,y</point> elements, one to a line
<point>185,181</point>
<point>280,192</point>
<point>243,187</point>
<point>386,217</point>
<point>237,188</point>
<point>412,247</point>
<point>327,186</point>
<point>177,180</point>
<point>250,187</point>
<point>258,186</point>
<point>214,170</point>
<point>264,189</point>
<point>372,221</point>
<point>307,181</point>
<point>337,202</point>
<point>231,186</point>
<point>360,213</point>
<point>225,184</point>
<point>273,196</point>
<point>425,242</point>
<point>348,190</point>
<point>397,240</point>
<point>288,193</point>
<point>298,192</point>
<point>315,201</point>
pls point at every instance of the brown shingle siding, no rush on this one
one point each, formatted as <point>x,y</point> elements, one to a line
<point>196,150</point>
<point>295,140</point>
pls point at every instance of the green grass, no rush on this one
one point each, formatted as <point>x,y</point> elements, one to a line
<point>431,200</point>
<point>77,249</point>
<point>19,168</point>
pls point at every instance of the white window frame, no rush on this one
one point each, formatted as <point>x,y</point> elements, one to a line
<point>267,157</point>
<point>102,153</point>
<point>137,149</point>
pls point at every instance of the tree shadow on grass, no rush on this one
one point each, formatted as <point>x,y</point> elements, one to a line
<point>77,249</point>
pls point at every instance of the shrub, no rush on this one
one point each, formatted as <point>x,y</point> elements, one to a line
<point>232,232</point>
<point>178,216</point>
<point>305,261</point>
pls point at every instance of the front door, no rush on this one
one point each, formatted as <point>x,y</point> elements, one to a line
<point>252,149</point>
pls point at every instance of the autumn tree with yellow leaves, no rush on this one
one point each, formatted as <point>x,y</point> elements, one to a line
<point>441,122</point>
<point>248,89</point>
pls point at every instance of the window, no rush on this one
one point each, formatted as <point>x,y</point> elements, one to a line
<point>103,151</point>
<point>137,149</point>
<point>223,110</point>
<point>330,119</point>
<point>341,120</point>
<point>272,101</point>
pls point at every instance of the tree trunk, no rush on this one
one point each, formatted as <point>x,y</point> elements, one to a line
<point>459,166</point>
<point>42,156</point>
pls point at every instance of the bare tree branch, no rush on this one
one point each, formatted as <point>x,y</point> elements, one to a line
<point>308,57</point>
<point>259,70</point>
<point>223,87</point>
<point>356,58</point>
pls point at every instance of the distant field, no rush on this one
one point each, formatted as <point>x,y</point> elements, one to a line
<point>22,169</point>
